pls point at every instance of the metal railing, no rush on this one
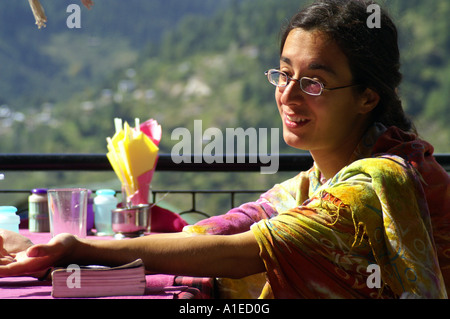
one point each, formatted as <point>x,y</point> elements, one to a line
<point>99,162</point>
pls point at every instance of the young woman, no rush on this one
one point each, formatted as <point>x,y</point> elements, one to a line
<point>375,195</point>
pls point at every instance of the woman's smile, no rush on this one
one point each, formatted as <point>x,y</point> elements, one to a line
<point>294,121</point>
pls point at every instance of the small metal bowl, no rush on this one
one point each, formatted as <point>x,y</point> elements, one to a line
<point>131,221</point>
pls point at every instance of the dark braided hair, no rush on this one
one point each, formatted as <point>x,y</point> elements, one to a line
<point>372,52</point>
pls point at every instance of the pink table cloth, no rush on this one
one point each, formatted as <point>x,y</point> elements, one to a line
<point>158,286</point>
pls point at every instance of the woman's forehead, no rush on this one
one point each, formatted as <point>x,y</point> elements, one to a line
<point>314,50</point>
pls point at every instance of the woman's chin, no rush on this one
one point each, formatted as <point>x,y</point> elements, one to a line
<point>296,143</point>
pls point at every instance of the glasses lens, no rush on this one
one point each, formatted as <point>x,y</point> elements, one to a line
<point>277,78</point>
<point>311,86</point>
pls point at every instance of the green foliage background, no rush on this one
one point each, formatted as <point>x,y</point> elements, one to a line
<point>177,61</point>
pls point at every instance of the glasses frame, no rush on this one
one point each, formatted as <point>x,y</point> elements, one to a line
<point>289,79</point>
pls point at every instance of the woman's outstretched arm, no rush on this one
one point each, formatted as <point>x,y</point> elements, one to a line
<point>232,256</point>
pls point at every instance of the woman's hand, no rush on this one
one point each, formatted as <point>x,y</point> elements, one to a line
<point>35,259</point>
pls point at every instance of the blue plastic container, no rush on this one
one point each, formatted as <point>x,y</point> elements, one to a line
<point>9,219</point>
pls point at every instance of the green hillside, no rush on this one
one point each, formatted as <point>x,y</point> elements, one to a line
<point>54,62</point>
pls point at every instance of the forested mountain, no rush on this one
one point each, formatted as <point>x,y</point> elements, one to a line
<point>178,61</point>
<point>53,62</point>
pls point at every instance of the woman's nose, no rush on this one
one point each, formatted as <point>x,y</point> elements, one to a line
<point>290,92</point>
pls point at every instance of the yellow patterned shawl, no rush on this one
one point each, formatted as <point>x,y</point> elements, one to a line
<point>372,212</point>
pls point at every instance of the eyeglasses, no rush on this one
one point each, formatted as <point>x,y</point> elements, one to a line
<point>308,85</point>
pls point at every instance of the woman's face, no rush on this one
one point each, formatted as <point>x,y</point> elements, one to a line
<point>324,122</point>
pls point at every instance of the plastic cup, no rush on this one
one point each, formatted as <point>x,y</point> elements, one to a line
<point>68,211</point>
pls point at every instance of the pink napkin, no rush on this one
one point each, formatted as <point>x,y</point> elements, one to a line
<point>152,129</point>
<point>166,221</point>
<point>163,286</point>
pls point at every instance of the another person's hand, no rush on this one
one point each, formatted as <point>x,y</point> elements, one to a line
<point>34,260</point>
<point>5,257</point>
<point>13,242</point>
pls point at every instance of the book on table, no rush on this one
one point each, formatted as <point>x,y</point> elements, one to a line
<point>99,281</point>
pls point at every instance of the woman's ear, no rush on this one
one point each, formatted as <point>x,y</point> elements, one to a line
<point>368,101</point>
